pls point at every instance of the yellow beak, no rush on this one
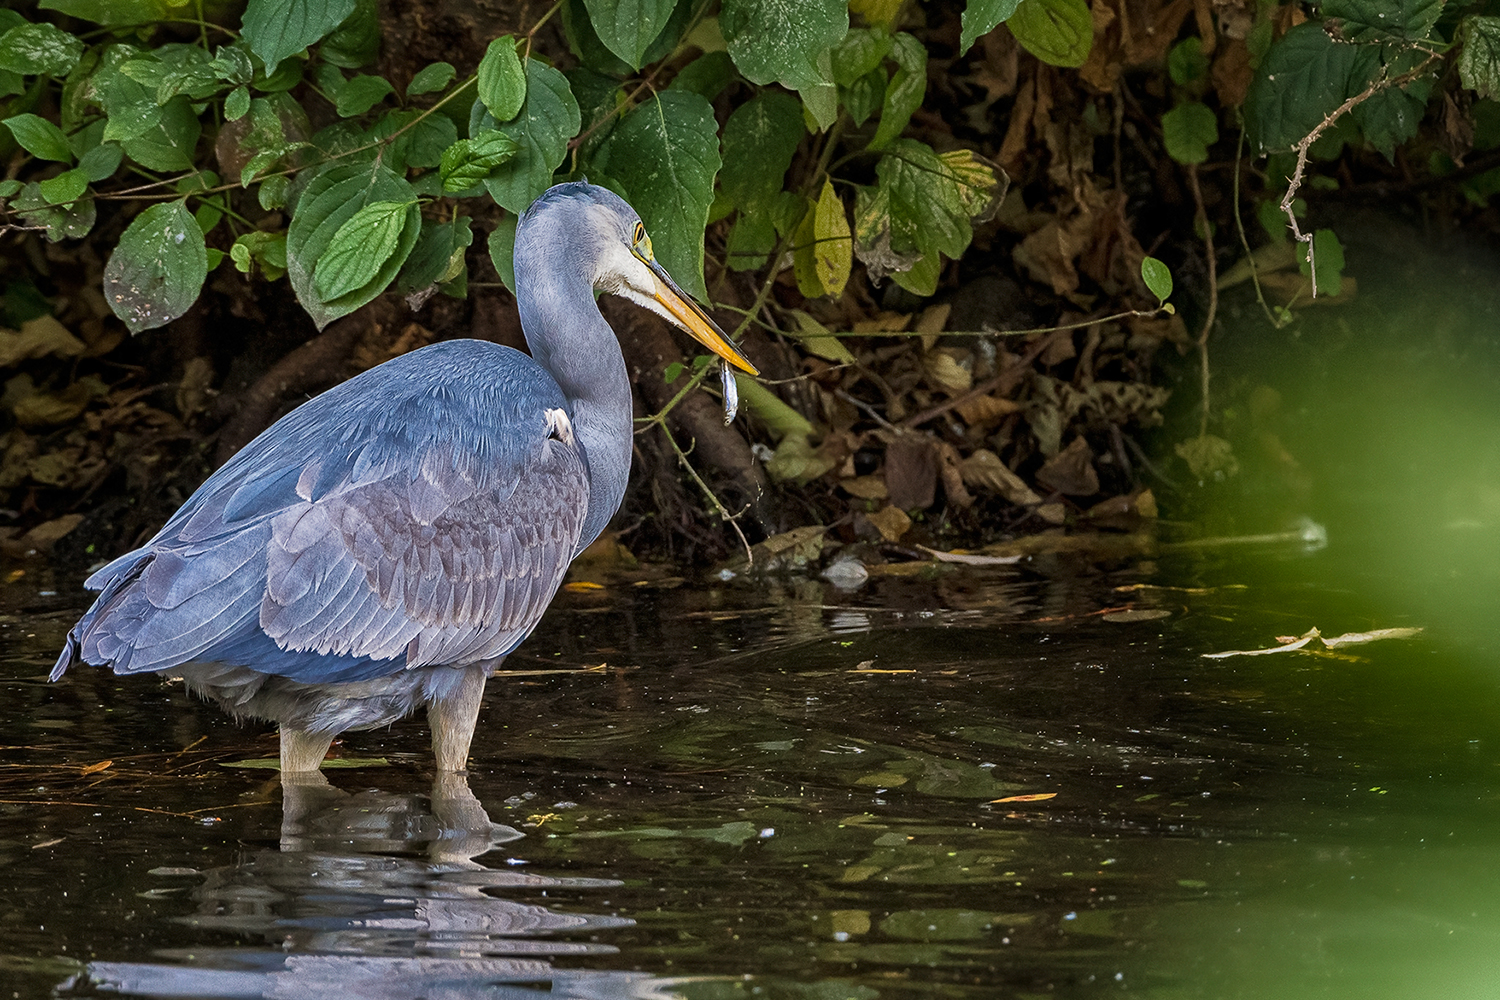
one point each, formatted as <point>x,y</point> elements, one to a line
<point>691,317</point>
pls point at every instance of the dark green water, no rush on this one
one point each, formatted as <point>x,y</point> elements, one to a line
<point>737,807</point>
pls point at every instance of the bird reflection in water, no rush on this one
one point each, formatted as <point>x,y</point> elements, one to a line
<point>375,895</point>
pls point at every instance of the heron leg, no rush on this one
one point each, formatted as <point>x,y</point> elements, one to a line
<point>302,750</point>
<point>452,720</point>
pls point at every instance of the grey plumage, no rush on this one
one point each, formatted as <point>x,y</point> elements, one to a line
<point>387,543</point>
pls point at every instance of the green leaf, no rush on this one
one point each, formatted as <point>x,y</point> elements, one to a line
<point>276,29</point>
<point>1186,62</point>
<point>751,240</point>
<point>1391,116</point>
<point>40,138</point>
<point>628,27</point>
<point>760,139</point>
<point>1304,78</point>
<point>707,75</point>
<point>548,119</point>
<point>101,161</point>
<point>1158,278</point>
<point>66,188</point>
<point>362,93</point>
<point>905,92</point>
<point>61,222</point>
<point>821,102</point>
<point>980,17</point>
<point>170,144</point>
<point>430,78</point>
<point>826,250</point>
<point>1381,20</point>
<point>356,41</point>
<point>10,188</point>
<point>358,249</point>
<point>665,154</point>
<point>232,65</point>
<point>330,200</point>
<point>39,50</point>
<point>1188,130</point>
<point>927,208</point>
<point>268,250</point>
<point>859,52</point>
<point>502,80</point>
<point>779,41</point>
<point>417,139</point>
<point>502,246</point>
<point>864,96</point>
<point>1479,59</point>
<point>438,257</point>
<point>468,162</point>
<point>272,192</point>
<point>111,12</point>
<point>157,270</point>
<point>237,104</point>
<point>1059,32</point>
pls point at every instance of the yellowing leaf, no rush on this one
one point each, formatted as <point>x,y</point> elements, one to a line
<point>835,246</point>
<point>1037,797</point>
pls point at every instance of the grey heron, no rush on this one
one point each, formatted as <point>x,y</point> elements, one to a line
<point>386,544</point>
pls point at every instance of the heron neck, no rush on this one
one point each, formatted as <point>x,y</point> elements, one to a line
<point>569,337</point>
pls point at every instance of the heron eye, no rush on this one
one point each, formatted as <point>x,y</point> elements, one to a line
<point>640,233</point>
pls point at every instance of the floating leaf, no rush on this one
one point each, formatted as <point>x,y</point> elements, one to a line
<point>779,41</point>
<point>980,17</point>
<point>760,139</point>
<point>548,119</point>
<point>1059,32</point>
<point>157,270</point>
<point>40,138</point>
<point>664,153</point>
<point>1034,797</point>
<point>502,80</point>
<point>628,27</point>
<point>358,249</point>
<point>276,29</point>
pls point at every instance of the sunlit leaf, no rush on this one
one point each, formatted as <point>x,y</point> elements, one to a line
<point>825,250</point>
<point>1158,278</point>
<point>157,270</point>
<point>466,163</point>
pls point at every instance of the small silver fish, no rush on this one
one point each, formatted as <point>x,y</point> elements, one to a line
<point>731,392</point>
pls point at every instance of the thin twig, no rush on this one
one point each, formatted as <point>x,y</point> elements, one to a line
<point>1201,218</point>
<point>733,519</point>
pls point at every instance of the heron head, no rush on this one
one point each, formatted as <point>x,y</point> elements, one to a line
<point>607,235</point>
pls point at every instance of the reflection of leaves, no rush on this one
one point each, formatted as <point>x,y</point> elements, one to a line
<point>733,834</point>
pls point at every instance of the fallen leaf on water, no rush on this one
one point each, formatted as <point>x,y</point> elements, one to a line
<point>1035,797</point>
<point>1313,635</point>
<point>48,843</point>
<point>1356,638</point>
<point>1137,615</point>
<point>969,559</point>
<point>96,768</point>
<point>582,586</point>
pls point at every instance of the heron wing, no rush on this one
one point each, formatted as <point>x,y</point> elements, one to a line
<point>428,507</point>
